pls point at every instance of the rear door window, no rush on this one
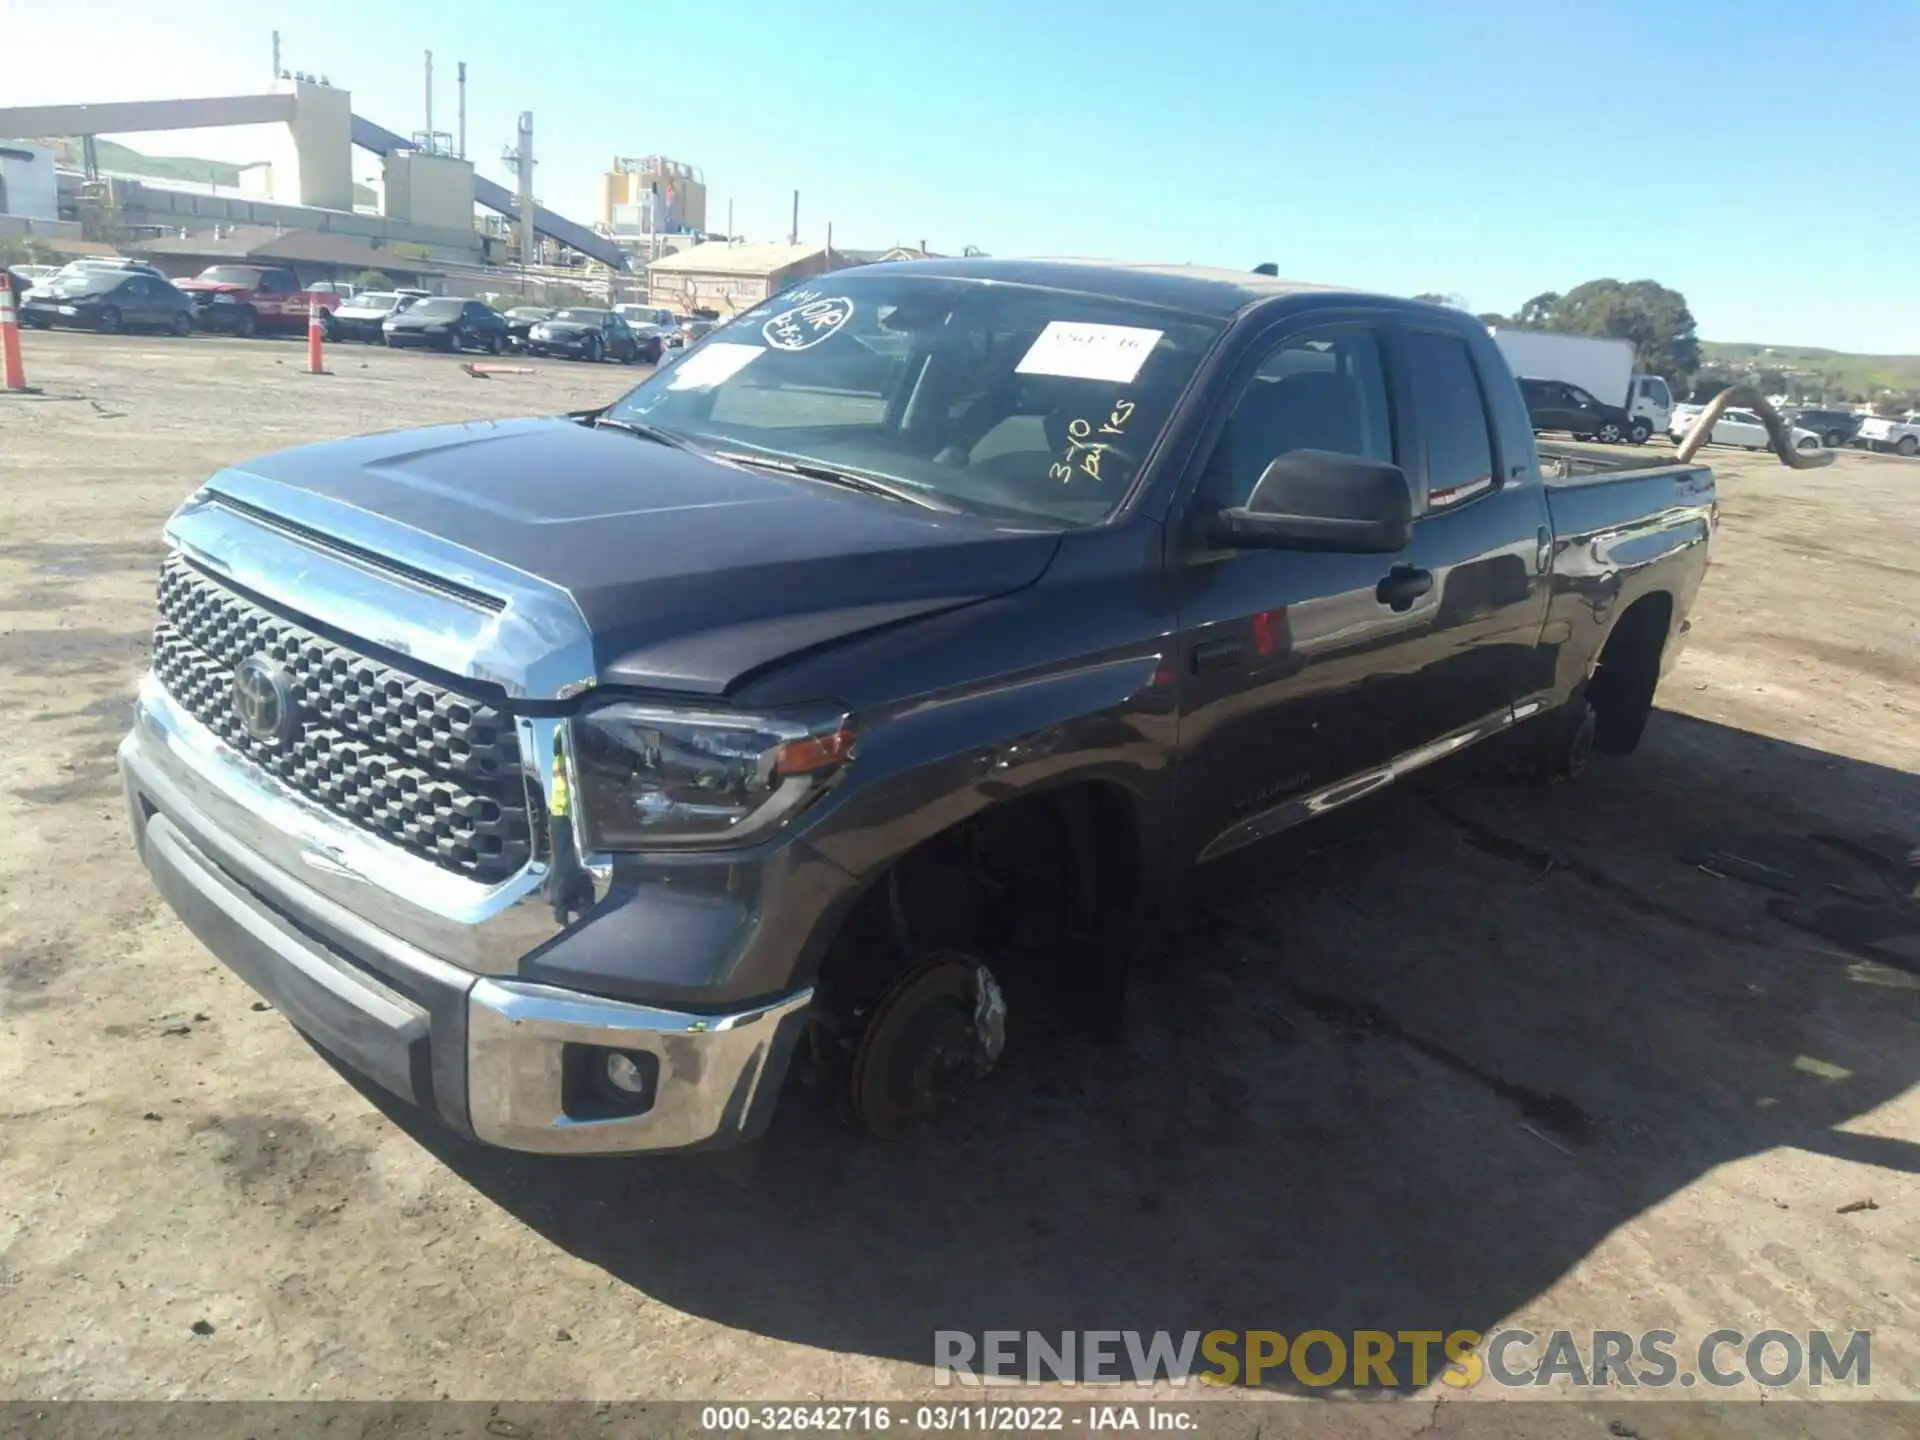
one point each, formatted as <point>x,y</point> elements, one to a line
<point>1451,412</point>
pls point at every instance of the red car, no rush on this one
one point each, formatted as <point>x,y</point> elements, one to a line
<point>246,299</point>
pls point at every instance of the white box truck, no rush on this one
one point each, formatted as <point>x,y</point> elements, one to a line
<point>1602,367</point>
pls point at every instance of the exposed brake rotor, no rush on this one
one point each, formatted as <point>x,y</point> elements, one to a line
<point>939,1028</point>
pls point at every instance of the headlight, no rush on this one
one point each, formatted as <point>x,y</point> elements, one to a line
<point>651,777</point>
<point>69,309</point>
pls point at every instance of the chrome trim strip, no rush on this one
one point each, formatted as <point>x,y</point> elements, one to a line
<point>719,1074</point>
<point>1289,813</point>
<point>536,646</point>
<point>481,928</point>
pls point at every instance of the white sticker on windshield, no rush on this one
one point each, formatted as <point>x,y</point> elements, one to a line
<point>1079,351</point>
<point>712,363</point>
<point>801,327</point>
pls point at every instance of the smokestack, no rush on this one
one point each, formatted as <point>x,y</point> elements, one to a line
<point>429,99</point>
<point>276,54</point>
<point>525,178</point>
<point>462,73</point>
<point>794,237</point>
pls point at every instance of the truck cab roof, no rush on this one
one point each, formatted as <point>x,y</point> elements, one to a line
<point>1195,289</point>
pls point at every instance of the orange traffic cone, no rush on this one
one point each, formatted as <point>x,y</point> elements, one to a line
<point>314,337</point>
<point>15,372</point>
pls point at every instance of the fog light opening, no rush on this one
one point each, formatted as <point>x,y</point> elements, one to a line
<point>602,1083</point>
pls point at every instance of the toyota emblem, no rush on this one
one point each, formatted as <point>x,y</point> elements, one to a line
<point>263,699</point>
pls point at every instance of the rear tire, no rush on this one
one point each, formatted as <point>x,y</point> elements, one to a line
<point>593,350</point>
<point>1640,432</point>
<point>494,345</point>
<point>110,322</point>
<point>1621,691</point>
<point>1908,446</point>
<point>1608,433</point>
<point>182,324</point>
<point>1833,439</point>
<point>247,323</point>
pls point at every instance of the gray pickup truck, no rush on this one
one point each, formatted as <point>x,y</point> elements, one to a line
<point>880,664</point>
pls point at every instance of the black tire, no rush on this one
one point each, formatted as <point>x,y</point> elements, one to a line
<point>1640,432</point>
<point>495,345</point>
<point>1807,446</point>
<point>594,350</point>
<point>1621,691</point>
<point>110,322</point>
<point>182,324</point>
<point>1908,446</point>
<point>247,323</point>
<point>1608,433</point>
<point>1560,743</point>
<point>654,352</point>
<point>1834,439</point>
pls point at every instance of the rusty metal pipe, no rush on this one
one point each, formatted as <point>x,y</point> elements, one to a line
<point>1779,433</point>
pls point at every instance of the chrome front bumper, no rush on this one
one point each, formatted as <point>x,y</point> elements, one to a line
<point>497,1058</point>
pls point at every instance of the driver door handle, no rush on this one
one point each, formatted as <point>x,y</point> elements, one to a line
<point>1402,586</point>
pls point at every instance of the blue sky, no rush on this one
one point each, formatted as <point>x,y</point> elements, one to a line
<point>1493,149</point>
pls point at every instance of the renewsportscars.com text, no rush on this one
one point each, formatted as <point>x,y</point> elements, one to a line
<point>1365,1359</point>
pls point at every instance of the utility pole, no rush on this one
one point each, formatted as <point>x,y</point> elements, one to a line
<point>729,219</point>
<point>462,72</point>
<point>793,238</point>
<point>276,54</point>
<point>429,99</point>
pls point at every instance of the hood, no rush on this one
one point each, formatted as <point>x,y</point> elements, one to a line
<point>212,287</point>
<point>690,573</point>
<point>566,327</point>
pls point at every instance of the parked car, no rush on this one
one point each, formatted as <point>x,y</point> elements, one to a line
<point>361,317</point>
<point>109,301</point>
<point>447,322</point>
<point>334,287</point>
<point>727,728</point>
<point>1599,366</point>
<point>653,328</point>
<point>695,329</point>
<point>1834,427</point>
<point>247,299</point>
<point>520,320</point>
<point>1557,405</point>
<point>1900,434</point>
<point>581,334</point>
<point>1744,428</point>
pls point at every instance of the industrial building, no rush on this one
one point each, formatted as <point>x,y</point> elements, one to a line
<point>729,278</point>
<point>430,190</point>
<point>652,196</point>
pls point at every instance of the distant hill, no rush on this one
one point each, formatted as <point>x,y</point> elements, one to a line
<point>184,168</point>
<point>1855,374</point>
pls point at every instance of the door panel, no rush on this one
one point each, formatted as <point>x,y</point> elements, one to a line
<point>1291,665</point>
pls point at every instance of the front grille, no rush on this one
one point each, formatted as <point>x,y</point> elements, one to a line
<point>434,771</point>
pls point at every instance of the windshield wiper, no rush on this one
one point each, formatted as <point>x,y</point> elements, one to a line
<point>645,432</point>
<point>851,479</point>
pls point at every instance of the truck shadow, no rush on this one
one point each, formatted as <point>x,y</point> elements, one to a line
<point>1403,1072</point>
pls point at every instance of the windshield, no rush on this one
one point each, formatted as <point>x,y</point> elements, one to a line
<point>997,398</point>
<point>230,275</point>
<point>439,306</point>
<point>374,300</point>
<point>580,317</point>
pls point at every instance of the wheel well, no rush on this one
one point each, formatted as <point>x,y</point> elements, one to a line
<point>1621,690</point>
<point>1043,887</point>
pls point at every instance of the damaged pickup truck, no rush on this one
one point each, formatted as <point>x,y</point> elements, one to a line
<point>873,668</point>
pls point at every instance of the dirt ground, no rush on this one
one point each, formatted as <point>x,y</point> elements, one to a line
<point>1474,1055</point>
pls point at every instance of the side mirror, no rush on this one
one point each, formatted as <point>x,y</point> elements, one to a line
<point>1322,500</point>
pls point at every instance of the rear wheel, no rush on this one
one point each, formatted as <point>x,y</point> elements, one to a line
<point>493,345</point>
<point>1833,439</point>
<point>247,323</point>
<point>110,322</point>
<point>1609,433</point>
<point>1640,432</point>
<point>593,350</point>
<point>1621,691</point>
<point>1908,446</point>
<point>182,323</point>
<point>1808,445</point>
